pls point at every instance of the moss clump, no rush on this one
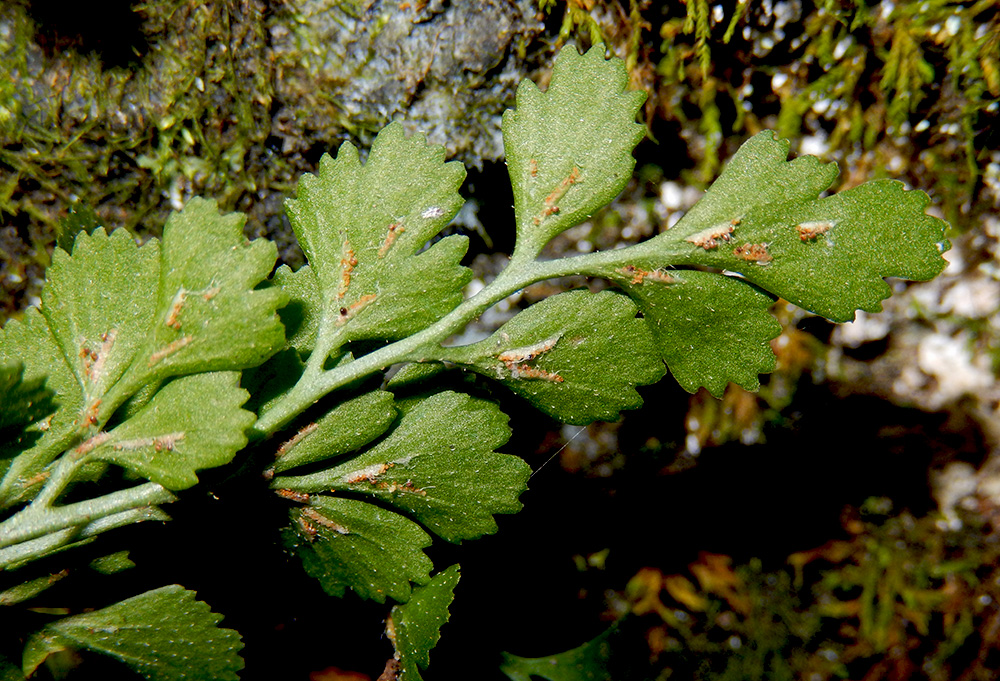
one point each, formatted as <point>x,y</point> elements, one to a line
<point>183,118</point>
<point>231,100</point>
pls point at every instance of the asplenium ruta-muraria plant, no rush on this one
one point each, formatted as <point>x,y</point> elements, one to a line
<point>133,360</point>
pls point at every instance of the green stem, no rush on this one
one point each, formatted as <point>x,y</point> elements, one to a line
<point>315,384</point>
<point>520,273</point>
<point>14,556</point>
<point>33,549</point>
<point>37,520</point>
<point>12,488</point>
<point>61,477</point>
<point>122,390</point>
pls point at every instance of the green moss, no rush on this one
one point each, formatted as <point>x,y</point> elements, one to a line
<point>233,100</point>
<point>119,139</point>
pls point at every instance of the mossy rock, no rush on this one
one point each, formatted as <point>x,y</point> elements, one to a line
<point>229,100</point>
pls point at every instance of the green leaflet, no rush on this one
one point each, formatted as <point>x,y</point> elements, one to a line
<point>414,373</point>
<point>415,627</point>
<point>29,341</point>
<point>710,330</point>
<point>362,228</point>
<point>99,305</point>
<point>437,465</point>
<point>348,426</point>
<point>830,255</point>
<point>569,149</point>
<point>758,174</point>
<point>115,562</point>
<point>206,294</point>
<point>81,218</point>
<point>30,589</point>
<point>303,313</point>
<point>763,218</point>
<point>346,543</point>
<point>576,356</point>
<point>117,319</point>
<point>589,662</point>
<point>60,353</point>
<point>192,422</point>
<point>112,563</point>
<point>163,634</point>
<point>272,380</point>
